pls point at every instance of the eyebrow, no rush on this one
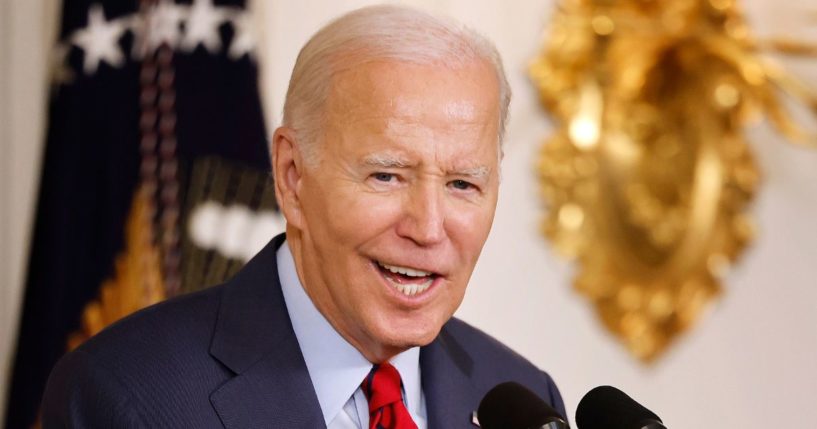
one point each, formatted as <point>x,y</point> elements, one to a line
<point>385,161</point>
<point>380,160</point>
<point>480,172</point>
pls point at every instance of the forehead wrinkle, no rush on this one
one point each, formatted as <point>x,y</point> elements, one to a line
<point>383,101</point>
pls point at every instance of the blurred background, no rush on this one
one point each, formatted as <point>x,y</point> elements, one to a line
<point>138,151</point>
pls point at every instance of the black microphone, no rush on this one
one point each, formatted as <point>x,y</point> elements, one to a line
<point>512,406</point>
<point>606,407</point>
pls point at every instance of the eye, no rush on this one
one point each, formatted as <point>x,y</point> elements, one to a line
<point>383,177</point>
<point>461,185</point>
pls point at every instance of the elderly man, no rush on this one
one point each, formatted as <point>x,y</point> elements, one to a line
<point>387,170</point>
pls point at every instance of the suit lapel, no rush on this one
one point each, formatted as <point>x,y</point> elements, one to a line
<point>254,339</point>
<point>275,392</point>
<point>450,394</point>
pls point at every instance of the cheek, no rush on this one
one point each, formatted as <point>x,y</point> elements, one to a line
<point>358,216</point>
<point>469,228</point>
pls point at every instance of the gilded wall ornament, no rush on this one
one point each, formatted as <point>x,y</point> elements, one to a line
<point>648,176</point>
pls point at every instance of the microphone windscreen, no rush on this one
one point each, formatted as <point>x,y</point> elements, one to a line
<point>512,406</point>
<point>606,407</point>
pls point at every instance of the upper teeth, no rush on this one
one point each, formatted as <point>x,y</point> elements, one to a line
<point>405,271</point>
<point>409,289</point>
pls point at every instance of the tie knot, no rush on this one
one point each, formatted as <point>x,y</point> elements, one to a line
<point>382,386</point>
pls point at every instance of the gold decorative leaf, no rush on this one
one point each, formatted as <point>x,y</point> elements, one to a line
<point>137,282</point>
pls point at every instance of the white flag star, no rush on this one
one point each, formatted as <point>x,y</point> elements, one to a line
<point>202,27</point>
<point>243,41</point>
<point>99,40</point>
<point>160,26</point>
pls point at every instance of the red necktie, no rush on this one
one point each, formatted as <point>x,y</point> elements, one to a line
<point>386,408</point>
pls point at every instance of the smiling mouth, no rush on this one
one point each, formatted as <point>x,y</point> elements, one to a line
<point>408,281</point>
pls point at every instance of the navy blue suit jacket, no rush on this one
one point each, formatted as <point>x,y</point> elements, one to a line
<point>227,357</point>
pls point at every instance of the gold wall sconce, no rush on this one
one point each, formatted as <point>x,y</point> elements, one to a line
<point>648,175</point>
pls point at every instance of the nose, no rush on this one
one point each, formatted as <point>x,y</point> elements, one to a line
<point>423,219</point>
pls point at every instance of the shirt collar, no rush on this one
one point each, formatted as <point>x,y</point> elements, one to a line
<point>336,367</point>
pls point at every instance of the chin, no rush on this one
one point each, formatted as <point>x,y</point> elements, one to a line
<point>415,338</point>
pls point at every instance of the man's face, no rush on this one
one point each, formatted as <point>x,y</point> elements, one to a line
<point>397,211</point>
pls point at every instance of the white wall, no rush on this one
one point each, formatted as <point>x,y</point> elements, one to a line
<point>753,358</point>
<point>26,30</point>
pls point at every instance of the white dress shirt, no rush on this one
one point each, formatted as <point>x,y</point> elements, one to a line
<point>337,368</point>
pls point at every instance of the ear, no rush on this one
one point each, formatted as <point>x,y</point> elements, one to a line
<point>287,170</point>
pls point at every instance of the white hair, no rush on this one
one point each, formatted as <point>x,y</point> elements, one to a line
<point>383,32</point>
